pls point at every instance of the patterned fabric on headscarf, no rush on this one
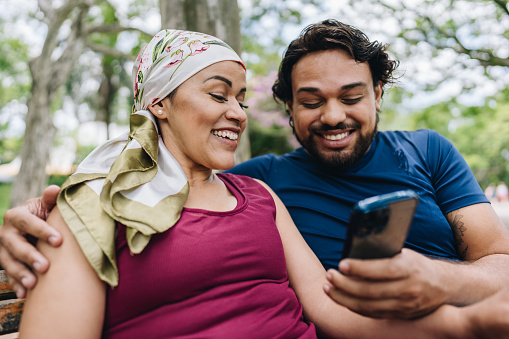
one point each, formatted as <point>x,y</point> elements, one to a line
<point>134,179</point>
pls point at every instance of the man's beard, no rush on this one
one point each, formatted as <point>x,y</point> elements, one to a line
<point>337,159</point>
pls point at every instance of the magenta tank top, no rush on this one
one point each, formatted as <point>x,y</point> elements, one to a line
<point>212,275</point>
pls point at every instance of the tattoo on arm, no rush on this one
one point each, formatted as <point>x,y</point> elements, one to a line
<point>458,231</point>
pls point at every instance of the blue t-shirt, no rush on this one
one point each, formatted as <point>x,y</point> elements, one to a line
<point>320,199</point>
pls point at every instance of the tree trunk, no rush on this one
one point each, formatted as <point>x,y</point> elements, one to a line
<point>219,18</point>
<point>39,133</point>
<point>47,77</point>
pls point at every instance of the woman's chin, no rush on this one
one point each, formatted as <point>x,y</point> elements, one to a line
<point>224,165</point>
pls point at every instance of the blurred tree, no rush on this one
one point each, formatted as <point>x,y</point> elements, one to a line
<point>481,134</point>
<point>264,25</point>
<point>14,88</point>
<point>69,27</point>
<point>462,38</point>
<point>269,130</point>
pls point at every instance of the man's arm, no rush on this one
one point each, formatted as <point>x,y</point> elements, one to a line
<point>307,278</point>
<point>410,285</point>
<point>16,252</point>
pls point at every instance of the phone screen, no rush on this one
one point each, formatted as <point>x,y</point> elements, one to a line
<point>379,225</point>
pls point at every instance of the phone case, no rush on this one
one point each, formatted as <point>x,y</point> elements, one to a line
<point>379,225</point>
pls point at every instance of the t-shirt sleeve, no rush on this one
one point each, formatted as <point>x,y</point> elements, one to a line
<point>454,182</point>
<point>258,167</point>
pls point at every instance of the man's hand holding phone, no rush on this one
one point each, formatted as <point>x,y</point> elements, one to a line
<point>378,278</point>
<point>404,286</point>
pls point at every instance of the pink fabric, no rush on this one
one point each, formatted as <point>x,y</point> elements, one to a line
<point>213,275</point>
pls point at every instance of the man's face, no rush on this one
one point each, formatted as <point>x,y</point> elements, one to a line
<point>334,107</point>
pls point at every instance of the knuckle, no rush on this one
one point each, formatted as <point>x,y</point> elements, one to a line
<point>393,270</point>
<point>371,291</point>
<point>14,274</point>
<point>13,282</point>
<point>413,292</point>
<point>367,310</point>
<point>8,215</point>
<point>410,306</point>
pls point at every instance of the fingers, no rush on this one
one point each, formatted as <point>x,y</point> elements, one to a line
<point>397,267</point>
<point>20,291</point>
<point>370,289</point>
<point>19,276</point>
<point>49,197</point>
<point>20,220</point>
<point>372,299</point>
<point>18,249</point>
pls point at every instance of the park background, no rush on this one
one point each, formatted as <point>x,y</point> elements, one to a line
<point>65,74</point>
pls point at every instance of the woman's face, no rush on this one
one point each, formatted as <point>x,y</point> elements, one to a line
<point>202,124</point>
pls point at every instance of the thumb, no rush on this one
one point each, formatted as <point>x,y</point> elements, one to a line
<point>49,197</point>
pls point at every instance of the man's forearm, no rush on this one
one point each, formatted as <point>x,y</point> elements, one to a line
<point>469,282</point>
<point>447,321</point>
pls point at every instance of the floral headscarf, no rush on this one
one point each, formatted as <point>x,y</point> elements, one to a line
<point>134,179</point>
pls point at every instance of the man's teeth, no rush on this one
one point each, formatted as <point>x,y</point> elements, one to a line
<point>226,134</point>
<point>336,137</point>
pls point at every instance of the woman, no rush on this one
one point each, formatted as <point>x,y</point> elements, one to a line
<point>185,251</point>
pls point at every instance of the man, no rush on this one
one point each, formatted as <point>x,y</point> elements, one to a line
<point>332,80</point>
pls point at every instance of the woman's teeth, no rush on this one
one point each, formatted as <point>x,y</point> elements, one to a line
<point>226,134</point>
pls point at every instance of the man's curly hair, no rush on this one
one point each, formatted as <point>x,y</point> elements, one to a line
<point>329,35</point>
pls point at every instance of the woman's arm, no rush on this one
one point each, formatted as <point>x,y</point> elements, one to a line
<point>69,300</point>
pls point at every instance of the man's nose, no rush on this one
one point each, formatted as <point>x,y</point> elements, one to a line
<point>333,113</point>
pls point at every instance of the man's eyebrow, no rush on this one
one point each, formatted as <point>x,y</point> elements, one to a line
<point>343,88</point>
<point>307,90</point>
<point>218,77</point>
<point>353,85</point>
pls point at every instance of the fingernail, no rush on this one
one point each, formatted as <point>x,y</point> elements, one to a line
<point>17,291</point>
<point>326,288</point>
<point>344,266</point>
<point>328,275</point>
<point>24,282</point>
<point>37,266</point>
<point>53,240</point>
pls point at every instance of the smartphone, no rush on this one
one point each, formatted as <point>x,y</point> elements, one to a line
<point>379,225</point>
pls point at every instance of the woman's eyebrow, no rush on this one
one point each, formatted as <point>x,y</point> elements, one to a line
<point>218,77</point>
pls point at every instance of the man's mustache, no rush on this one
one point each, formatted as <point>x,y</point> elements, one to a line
<point>341,125</point>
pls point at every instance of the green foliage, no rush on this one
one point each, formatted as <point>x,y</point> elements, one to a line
<point>488,156</point>
<point>14,89</point>
<point>268,140</point>
<point>263,24</point>
<point>259,59</point>
<point>458,36</point>
<point>5,192</point>
<point>14,73</point>
<point>5,196</point>
<point>480,133</point>
<point>82,151</point>
<point>268,124</point>
<point>57,179</point>
<point>9,147</point>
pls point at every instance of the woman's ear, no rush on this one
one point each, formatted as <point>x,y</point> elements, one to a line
<point>159,110</point>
